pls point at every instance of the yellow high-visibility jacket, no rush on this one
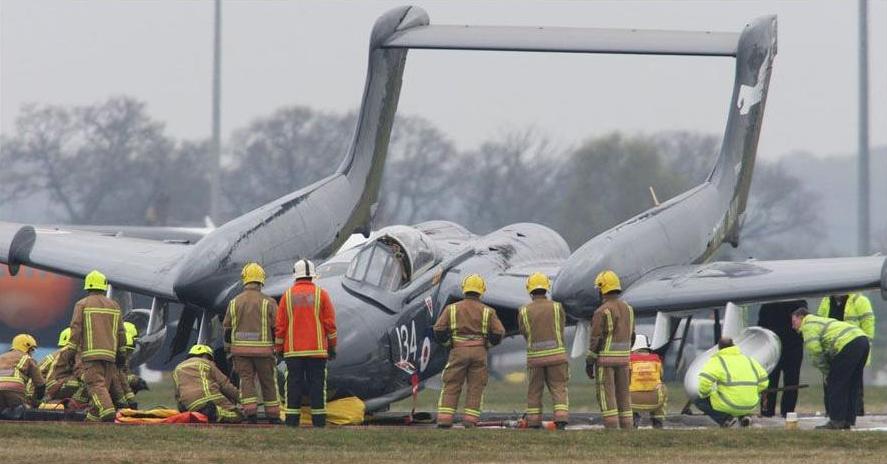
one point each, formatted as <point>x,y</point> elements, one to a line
<point>857,311</point>
<point>734,381</point>
<point>825,337</point>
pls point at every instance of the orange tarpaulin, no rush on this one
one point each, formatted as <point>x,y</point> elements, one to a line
<point>159,416</point>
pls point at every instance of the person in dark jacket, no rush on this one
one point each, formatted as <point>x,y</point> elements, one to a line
<point>778,318</point>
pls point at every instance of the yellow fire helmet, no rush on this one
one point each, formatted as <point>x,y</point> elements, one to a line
<point>64,337</point>
<point>252,272</point>
<point>200,350</point>
<point>538,281</point>
<point>95,280</point>
<point>608,282</point>
<point>473,283</point>
<point>132,333</point>
<point>24,343</point>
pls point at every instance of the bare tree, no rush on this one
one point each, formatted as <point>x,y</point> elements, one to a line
<point>100,163</point>
<point>420,174</point>
<point>281,153</point>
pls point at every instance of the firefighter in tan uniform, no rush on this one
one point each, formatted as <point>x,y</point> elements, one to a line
<point>122,380</point>
<point>98,336</point>
<point>249,338</point>
<point>542,324</point>
<point>202,387</point>
<point>608,352</point>
<point>17,368</point>
<point>648,393</point>
<point>63,373</point>
<point>469,328</point>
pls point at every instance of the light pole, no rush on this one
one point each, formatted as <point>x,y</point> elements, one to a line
<point>863,164</point>
<point>216,155</point>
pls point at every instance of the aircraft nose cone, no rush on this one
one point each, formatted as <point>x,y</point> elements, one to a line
<point>574,286</point>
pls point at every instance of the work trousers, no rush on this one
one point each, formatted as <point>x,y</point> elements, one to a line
<point>466,365</point>
<point>844,381</point>
<point>555,377</point>
<point>306,376</point>
<point>653,401</point>
<point>262,368</point>
<point>789,366</point>
<point>614,396</point>
<point>100,376</point>
<point>64,388</point>
<point>704,405</point>
<point>11,399</point>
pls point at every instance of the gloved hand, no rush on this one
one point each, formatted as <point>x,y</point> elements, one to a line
<point>278,357</point>
<point>140,385</point>
<point>121,360</point>
<point>331,353</point>
<point>589,369</point>
<point>133,405</point>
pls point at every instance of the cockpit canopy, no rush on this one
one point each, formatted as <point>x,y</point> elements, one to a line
<point>393,257</point>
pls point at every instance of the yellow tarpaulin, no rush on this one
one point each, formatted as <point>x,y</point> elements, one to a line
<point>345,411</point>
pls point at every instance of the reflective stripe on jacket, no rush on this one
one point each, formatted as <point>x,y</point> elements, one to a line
<point>97,329</point>
<point>611,329</point>
<point>306,322</point>
<point>646,372</point>
<point>542,324</point>
<point>824,338</point>
<point>198,381</point>
<point>469,322</point>
<point>734,381</point>
<point>16,370</point>
<point>251,319</point>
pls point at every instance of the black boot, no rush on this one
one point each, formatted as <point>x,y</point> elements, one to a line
<point>657,423</point>
<point>833,425</point>
<point>252,419</point>
<point>636,420</point>
<point>292,420</point>
<point>274,420</point>
<point>318,420</point>
<point>560,425</point>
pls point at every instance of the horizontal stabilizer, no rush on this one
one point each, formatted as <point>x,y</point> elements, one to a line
<point>567,40</point>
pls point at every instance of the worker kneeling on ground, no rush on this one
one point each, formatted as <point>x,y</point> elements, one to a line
<point>63,373</point>
<point>202,387</point>
<point>306,336</point>
<point>98,336</point>
<point>249,337</point>
<point>469,328</point>
<point>730,385</point>
<point>840,350</point>
<point>17,368</point>
<point>542,324</point>
<point>609,349</point>
<point>648,393</point>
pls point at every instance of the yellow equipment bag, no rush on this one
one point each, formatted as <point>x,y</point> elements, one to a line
<point>345,411</point>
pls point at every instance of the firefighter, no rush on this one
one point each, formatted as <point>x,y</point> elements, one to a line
<point>249,338</point>
<point>542,324</point>
<point>856,309</point>
<point>648,392</point>
<point>609,349</point>
<point>840,350</point>
<point>98,335</point>
<point>469,328</point>
<point>730,385</point>
<point>202,387</point>
<point>306,336</point>
<point>63,374</point>
<point>122,381</point>
<point>17,368</point>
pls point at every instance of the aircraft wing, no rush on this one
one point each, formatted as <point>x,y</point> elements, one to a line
<point>675,288</point>
<point>508,291</point>
<point>143,266</point>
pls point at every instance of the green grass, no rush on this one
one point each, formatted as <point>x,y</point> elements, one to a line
<point>503,397</point>
<point>162,444</point>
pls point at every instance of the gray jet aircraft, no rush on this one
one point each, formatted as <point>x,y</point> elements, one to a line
<point>389,290</point>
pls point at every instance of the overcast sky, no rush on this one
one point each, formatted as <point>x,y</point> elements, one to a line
<point>314,53</point>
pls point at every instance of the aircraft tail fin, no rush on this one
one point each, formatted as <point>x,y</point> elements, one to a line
<point>733,170</point>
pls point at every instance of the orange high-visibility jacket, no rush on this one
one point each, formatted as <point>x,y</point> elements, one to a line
<point>306,322</point>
